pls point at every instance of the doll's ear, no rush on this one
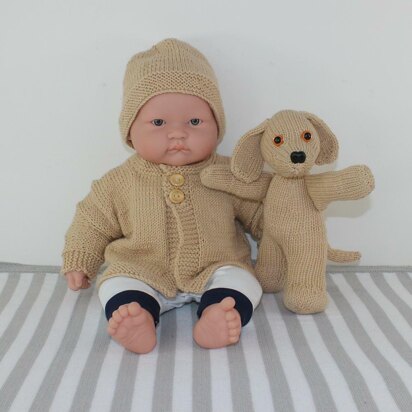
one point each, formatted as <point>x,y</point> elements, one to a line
<point>329,146</point>
<point>247,161</point>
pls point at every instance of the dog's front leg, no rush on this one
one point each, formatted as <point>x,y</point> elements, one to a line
<point>351,183</point>
<point>220,177</point>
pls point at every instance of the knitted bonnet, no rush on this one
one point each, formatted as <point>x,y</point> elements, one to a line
<point>170,66</point>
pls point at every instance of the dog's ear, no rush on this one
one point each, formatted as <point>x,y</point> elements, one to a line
<point>329,146</point>
<point>247,161</point>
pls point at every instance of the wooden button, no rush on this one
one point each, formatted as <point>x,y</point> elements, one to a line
<point>176,196</point>
<point>177,180</point>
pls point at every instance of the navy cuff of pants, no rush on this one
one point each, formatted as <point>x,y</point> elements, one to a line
<point>128,296</point>
<point>243,304</point>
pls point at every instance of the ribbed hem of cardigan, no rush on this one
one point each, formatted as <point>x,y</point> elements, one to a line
<point>80,261</point>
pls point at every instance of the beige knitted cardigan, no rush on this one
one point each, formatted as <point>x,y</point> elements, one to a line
<point>159,224</point>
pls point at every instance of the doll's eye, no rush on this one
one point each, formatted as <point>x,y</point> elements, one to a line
<point>278,140</point>
<point>306,136</point>
<point>195,122</point>
<point>158,122</point>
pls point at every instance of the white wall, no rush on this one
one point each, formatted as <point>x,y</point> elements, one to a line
<point>61,68</point>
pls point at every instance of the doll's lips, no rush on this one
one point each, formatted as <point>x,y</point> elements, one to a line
<point>178,148</point>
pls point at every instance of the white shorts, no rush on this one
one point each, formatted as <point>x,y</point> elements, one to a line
<point>229,277</point>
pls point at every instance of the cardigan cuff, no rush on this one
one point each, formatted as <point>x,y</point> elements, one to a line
<point>82,262</point>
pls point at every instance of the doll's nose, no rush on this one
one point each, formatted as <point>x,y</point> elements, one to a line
<point>177,133</point>
<point>298,157</point>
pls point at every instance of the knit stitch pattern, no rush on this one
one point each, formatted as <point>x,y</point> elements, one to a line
<point>293,250</point>
<point>170,66</point>
<point>129,221</point>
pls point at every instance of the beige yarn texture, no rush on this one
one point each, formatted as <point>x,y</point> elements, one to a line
<point>293,250</point>
<point>129,220</point>
<point>169,66</point>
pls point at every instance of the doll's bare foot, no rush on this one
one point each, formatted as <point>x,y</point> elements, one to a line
<point>219,325</point>
<point>133,327</point>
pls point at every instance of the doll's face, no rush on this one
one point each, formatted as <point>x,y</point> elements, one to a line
<point>174,129</point>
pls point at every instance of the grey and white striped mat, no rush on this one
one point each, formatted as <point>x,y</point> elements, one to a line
<point>55,354</point>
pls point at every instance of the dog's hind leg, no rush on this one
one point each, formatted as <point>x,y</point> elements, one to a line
<point>270,265</point>
<point>305,288</point>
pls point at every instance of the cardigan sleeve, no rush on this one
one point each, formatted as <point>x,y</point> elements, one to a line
<point>94,226</point>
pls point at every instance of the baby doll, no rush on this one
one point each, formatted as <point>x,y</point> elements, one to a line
<point>168,240</point>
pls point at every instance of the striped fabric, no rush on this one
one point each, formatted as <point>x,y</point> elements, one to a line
<point>55,354</point>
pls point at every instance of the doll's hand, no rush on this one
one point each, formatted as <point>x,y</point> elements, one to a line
<point>77,280</point>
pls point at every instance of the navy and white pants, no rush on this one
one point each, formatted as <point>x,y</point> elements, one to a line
<point>226,281</point>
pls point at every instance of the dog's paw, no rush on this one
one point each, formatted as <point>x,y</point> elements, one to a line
<point>367,179</point>
<point>305,300</point>
<point>217,177</point>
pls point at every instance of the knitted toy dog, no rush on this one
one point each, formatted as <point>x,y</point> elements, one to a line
<point>293,250</point>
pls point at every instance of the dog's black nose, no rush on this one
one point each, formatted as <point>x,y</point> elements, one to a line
<point>298,157</point>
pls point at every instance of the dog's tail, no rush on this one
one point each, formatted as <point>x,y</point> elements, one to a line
<point>342,256</point>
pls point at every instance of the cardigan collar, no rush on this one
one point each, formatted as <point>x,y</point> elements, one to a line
<point>144,166</point>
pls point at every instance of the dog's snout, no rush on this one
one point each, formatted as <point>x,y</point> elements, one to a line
<point>298,157</point>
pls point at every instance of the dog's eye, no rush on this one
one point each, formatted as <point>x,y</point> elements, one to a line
<point>278,140</point>
<point>306,136</point>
